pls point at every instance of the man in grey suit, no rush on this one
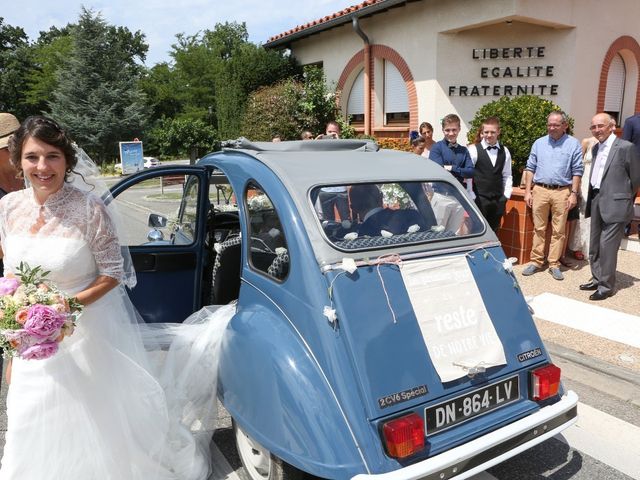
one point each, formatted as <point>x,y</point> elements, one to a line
<point>615,177</point>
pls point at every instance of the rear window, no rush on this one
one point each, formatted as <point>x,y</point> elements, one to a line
<point>375,215</point>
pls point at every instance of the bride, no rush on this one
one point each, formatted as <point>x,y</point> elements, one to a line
<point>103,407</point>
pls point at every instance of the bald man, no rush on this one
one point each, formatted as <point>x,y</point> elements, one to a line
<point>615,177</point>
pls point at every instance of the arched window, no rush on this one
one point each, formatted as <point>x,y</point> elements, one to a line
<point>396,99</point>
<point>615,87</point>
<point>355,103</point>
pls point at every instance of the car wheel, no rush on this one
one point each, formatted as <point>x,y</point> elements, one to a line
<point>259,463</point>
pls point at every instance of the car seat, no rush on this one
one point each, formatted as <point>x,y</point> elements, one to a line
<point>225,285</point>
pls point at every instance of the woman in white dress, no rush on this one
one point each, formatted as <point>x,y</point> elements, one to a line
<point>98,409</point>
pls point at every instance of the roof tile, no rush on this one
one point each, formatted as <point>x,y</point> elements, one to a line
<point>344,11</point>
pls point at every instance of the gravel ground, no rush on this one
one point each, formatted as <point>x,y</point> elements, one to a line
<point>626,299</point>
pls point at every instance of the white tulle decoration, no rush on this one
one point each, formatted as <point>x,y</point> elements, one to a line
<point>349,265</point>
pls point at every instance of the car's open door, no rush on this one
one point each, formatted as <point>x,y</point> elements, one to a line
<point>164,212</point>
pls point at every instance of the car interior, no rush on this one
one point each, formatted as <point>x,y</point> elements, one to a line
<point>267,250</point>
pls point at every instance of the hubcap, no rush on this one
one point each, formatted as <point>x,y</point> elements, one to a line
<point>255,458</point>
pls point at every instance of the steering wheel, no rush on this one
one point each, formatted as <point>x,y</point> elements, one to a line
<point>227,220</point>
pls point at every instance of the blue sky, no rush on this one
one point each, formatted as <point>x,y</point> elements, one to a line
<point>161,20</point>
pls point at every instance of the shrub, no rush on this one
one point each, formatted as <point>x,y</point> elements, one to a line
<point>402,144</point>
<point>523,119</point>
<point>289,107</point>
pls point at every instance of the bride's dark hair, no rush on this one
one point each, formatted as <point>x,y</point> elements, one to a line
<point>46,130</point>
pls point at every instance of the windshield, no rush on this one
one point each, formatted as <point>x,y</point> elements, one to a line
<point>366,216</point>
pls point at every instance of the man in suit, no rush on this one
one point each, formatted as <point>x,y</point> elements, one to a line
<point>492,179</point>
<point>366,203</point>
<point>615,177</point>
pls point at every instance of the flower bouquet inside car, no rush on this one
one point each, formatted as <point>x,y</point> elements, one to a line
<point>35,316</point>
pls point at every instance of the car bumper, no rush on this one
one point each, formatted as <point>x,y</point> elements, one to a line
<point>490,449</point>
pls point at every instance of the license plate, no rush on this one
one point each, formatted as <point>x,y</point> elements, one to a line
<point>465,407</point>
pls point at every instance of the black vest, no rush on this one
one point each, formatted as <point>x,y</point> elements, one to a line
<point>487,179</point>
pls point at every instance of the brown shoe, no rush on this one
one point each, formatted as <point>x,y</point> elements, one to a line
<point>565,263</point>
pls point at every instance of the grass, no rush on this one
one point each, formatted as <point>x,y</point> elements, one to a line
<point>164,196</point>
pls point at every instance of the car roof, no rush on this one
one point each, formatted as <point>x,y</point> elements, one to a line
<point>303,165</point>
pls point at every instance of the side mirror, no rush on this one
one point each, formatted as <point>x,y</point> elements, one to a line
<point>155,236</point>
<point>157,221</point>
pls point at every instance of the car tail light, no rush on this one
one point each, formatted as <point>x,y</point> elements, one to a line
<point>545,382</point>
<point>404,436</point>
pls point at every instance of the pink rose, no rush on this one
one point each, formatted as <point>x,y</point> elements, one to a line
<point>39,351</point>
<point>43,321</point>
<point>8,285</point>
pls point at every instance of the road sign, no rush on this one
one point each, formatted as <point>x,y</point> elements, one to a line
<point>131,156</point>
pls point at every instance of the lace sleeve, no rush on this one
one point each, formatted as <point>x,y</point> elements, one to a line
<point>103,240</point>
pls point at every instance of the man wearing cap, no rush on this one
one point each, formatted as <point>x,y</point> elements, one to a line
<point>8,175</point>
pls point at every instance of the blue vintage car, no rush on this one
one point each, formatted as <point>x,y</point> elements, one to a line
<point>380,332</point>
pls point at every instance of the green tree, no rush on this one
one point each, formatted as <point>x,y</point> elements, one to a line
<point>217,69</point>
<point>523,119</point>
<point>48,55</point>
<point>97,96</point>
<point>15,65</point>
<point>163,91</point>
<point>173,137</point>
<point>289,107</point>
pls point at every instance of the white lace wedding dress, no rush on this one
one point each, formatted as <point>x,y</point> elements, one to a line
<point>100,408</point>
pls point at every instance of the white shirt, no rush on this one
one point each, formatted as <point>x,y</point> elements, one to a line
<point>601,161</point>
<point>507,177</point>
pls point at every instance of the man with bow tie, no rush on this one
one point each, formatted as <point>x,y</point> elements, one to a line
<point>449,154</point>
<point>615,177</point>
<point>552,187</point>
<point>492,179</point>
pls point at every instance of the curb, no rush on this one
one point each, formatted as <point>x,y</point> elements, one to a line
<point>593,364</point>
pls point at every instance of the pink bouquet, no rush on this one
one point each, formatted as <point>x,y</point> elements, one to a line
<point>34,315</point>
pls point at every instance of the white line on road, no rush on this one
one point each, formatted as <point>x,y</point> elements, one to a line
<point>605,438</point>
<point>616,326</point>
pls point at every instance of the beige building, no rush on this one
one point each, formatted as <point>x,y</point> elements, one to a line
<point>399,63</point>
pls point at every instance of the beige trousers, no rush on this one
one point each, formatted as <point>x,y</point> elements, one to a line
<point>545,201</point>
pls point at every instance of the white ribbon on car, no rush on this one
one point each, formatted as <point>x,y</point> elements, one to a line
<point>457,330</point>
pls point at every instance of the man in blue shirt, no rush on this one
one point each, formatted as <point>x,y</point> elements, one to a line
<point>552,189</point>
<point>449,154</point>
